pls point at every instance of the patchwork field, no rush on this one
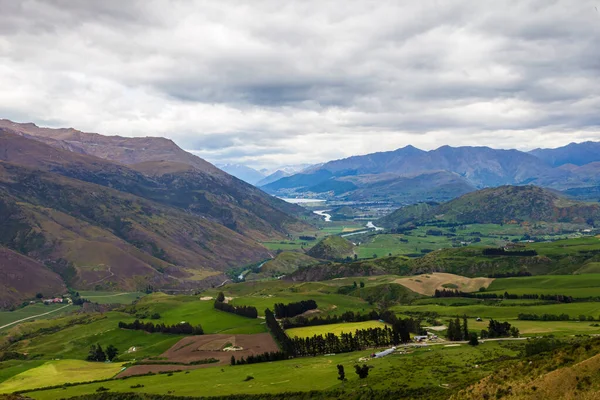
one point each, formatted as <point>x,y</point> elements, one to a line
<point>336,329</point>
<point>421,368</point>
<point>428,283</point>
<point>195,348</point>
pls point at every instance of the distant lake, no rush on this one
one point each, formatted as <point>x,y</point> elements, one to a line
<point>299,201</point>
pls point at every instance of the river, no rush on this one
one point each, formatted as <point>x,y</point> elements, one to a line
<point>370,227</point>
<point>323,213</point>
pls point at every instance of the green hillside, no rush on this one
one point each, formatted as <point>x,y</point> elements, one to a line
<point>503,204</point>
<point>332,248</point>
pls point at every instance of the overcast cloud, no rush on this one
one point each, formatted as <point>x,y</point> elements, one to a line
<point>268,83</point>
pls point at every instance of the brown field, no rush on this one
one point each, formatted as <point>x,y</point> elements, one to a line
<point>195,348</point>
<point>428,283</point>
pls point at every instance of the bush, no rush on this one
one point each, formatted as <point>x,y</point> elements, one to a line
<point>248,378</point>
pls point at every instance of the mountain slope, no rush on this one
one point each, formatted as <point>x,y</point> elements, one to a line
<point>573,153</point>
<point>189,183</point>
<point>499,205</point>
<point>458,169</point>
<point>22,278</point>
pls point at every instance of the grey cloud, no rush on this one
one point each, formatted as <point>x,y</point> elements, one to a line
<point>262,80</point>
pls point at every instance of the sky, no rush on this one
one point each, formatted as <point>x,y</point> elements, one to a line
<point>268,83</point>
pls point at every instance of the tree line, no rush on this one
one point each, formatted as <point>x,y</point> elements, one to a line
<point>501,252</point>
<point>457,332</point>
<point>282,339</point>
<point>244,311</point>
<point>184,328</point>
<point>259,358</point>
<point>292,309</point>
<point>510,274</point>
<point>549,297</point>
<point>497,329</point>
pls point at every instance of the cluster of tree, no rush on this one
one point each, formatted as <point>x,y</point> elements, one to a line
<point>184,328</point>
<point>79,301</point>
<point>434,232</point>
<point>292,309</point>
<point>498,329</point>
<point>244,311</point>
<point>501,252</point>
<point>348,316</point>
<point>509,274</point>
<point>542,345</point>
<point>348,342</point>
<point>456,331</point>
<point>307,238</point>
<point>97,354</point>
<point>481,295</point>
<point>411,324</point>
<point>285,343</point>
<point>259,358</point>
<point>363,371</point>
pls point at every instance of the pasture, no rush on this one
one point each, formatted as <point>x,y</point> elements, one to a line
<point>336,329</point>
<point>111,297</point>
<point>424,368</point>
<point>59,372</point>
<point>578,286</point>
<point>7,317</point>
<point>428,283</point>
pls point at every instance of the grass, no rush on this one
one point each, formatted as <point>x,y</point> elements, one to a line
<point>6,317</point>
<point>111,297</point>
<point>176,309</point>
<point>59,372</point>
<point>578,286</point>
<point>423,368</point>
<point>336,329</point>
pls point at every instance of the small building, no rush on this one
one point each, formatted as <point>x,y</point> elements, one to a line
<point>383,353</point>
<point>419,338</point>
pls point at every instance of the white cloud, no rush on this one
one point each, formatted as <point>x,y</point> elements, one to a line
<point>268,83</point>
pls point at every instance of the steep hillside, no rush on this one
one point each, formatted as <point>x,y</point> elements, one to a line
<point>500,205</point>
<point>247,174</point>
<point>101,223</point>
<point>22,278</point>
<point>215,195</point>
<point>332,248</point>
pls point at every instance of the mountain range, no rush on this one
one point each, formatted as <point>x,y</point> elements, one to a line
<point>409,175</point>
<point>99,211</point>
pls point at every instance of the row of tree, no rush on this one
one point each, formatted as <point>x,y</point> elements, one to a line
<point>97,354</point>
<point>457,293</point>
<point>244,311</point>
<point>554,317</point>
<point>348,342</point>
<point>184,328</point>
<point>259,358</point>
<point>292,309</point>
<point>285,343</point>
<point>501,252</point>
<point>509,274</point>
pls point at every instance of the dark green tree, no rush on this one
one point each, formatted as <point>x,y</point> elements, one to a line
<point>220,297</point>
<point>232,360</point>
<point>465,329</point>
<point>362,284</point>
<point>363,371</point>
<point>111,352</point>
<point>354,285</point>
<point>341,373</point>
<point>473,341</point>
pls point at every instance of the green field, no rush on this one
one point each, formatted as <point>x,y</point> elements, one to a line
<point>7,317</point>
<point>578,286</point>
<point>423,368</point>
<point>59,372</point>
<point>111,297</point>
<point>337,329</point>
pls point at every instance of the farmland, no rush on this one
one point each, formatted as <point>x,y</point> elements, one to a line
<point>421,368</point>
<point>336,329</point>
<point>111,297</point>
<point>54,310</point>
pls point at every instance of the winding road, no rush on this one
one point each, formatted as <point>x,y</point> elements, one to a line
<point>34,316</point>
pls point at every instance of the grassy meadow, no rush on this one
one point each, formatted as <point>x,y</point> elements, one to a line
<point>336,329</point>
